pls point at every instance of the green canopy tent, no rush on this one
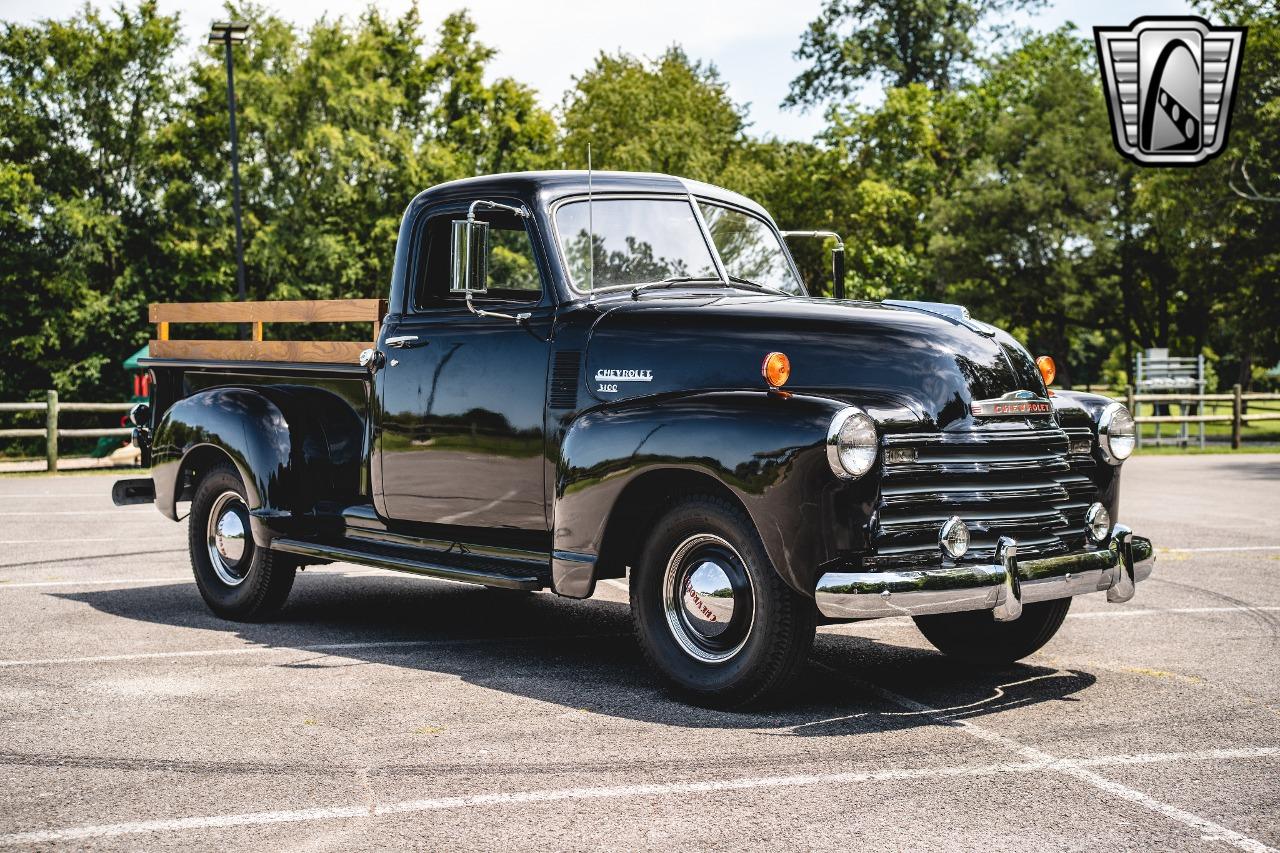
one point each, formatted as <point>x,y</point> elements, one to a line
<point>131,363</point>
<point>107,444</point>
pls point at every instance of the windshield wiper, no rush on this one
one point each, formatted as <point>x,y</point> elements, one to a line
<point>755,285</point>
<point>671,281</point>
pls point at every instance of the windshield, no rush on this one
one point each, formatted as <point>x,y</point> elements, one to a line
<point>637,240</point>
<point>749,248</point>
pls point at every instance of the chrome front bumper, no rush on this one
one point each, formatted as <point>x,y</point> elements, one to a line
<point>1002,587</point>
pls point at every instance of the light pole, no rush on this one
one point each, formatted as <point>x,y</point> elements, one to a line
<point>229,33</point>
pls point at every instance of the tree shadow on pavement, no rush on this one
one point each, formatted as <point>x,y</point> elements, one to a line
<point>581,655</point>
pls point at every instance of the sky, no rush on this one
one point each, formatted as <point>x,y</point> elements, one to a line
<point>545,43</point>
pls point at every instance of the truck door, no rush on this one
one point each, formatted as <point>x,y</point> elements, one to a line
<point>462,398</point>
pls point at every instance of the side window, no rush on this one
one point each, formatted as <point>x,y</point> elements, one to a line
<point>513,266</point>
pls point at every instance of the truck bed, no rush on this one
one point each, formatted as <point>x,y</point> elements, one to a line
<point>257,315</point>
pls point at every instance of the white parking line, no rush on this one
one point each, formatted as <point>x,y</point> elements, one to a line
<point>314,647</point>
<point>78,540</point>
<point>1093,614</point>
<point>1110,613</point>
<point>108,581</point>
<point>343,812</point>
<point>1075,770</point>
<point>1223,548</point>
<point>116,510</point>
<point>106,496</point>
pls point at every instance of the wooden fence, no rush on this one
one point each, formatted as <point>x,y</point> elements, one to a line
<point>51,432</point>
<point>1237,418</point>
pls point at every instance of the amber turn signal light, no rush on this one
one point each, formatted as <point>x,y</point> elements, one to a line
<point>1048,369</point>
<point>776,369</point>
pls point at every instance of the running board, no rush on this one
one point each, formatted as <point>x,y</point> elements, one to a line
<point>416,565</point>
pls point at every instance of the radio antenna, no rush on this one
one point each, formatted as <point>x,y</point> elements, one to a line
<point>591,233</point>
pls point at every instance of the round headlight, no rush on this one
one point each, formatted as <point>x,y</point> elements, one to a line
<point>954,538</point>
<point>1117,433</point>
<point>852,443</point>
<point>1097,523</point>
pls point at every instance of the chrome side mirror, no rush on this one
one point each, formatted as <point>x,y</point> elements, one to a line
<point>470,256</point>
<point>837,257</point>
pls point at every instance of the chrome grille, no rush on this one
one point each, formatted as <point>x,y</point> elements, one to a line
<point>1009,481</point>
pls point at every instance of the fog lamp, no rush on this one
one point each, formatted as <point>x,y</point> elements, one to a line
<point>852,443</point>
<point>954,538</point>
<point>1097,523</point>
<point>1117,433</point>
<point>899,455</point>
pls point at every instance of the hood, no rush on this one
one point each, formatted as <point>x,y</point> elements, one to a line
<point>906,367</point>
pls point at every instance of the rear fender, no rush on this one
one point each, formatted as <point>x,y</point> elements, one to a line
<point>295,447</point>
<point>766,450</point>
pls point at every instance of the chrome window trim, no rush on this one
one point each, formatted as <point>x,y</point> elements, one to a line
<point>710,241</point>
<point>553,212</point>
<point>448,206</point>
<point>773,229</point>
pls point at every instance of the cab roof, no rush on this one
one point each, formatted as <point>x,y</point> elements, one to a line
<point>551,186</point>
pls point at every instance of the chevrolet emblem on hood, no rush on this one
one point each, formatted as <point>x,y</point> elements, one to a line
<point>1014,403</point>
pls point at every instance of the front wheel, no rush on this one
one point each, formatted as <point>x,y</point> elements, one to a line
<point>236,578</point>
<point>709,611</point>
<point>976,637</point>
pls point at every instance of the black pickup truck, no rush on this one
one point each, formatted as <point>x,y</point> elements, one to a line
<point>618,375</point>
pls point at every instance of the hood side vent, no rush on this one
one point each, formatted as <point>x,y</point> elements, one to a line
<point>565,370</point>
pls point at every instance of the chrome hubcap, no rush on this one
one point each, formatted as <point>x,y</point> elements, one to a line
<point>708,597</point>
<point>228,538</point>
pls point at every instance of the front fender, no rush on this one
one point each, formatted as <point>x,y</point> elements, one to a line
<point>1082,410</point>
<point>767,449</point>
<point>293,446</point>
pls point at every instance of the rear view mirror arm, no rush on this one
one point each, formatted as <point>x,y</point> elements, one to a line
<point>837,257</point>
<point>523,212</point>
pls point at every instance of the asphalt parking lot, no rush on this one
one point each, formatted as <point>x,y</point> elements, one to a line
<point>386,711</point>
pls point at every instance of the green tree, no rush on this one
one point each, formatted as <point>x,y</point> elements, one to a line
<point>670,115</point>
<point>341,127</point>
<point>903,42</point>
<point>883,170</point>
<point>81,102</point>
<point>1022,238</point>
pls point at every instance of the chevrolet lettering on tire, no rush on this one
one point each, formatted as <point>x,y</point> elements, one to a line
<point>627,378</point>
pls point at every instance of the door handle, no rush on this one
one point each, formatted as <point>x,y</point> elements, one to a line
<point>402,341</point>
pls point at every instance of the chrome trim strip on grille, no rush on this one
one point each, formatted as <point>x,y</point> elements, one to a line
<point>1003,479</point>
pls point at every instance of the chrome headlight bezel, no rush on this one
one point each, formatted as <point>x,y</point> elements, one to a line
<point>1114,454</point>
<point>953,545</point>
<point>850,459</point>
<point>1091,517</point>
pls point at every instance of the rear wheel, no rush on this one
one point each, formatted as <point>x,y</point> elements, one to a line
<point>236,578</point>
<point>976,637</point>
<point>711,614</point>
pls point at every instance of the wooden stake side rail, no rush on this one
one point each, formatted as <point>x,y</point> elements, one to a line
<point>258,313</point>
